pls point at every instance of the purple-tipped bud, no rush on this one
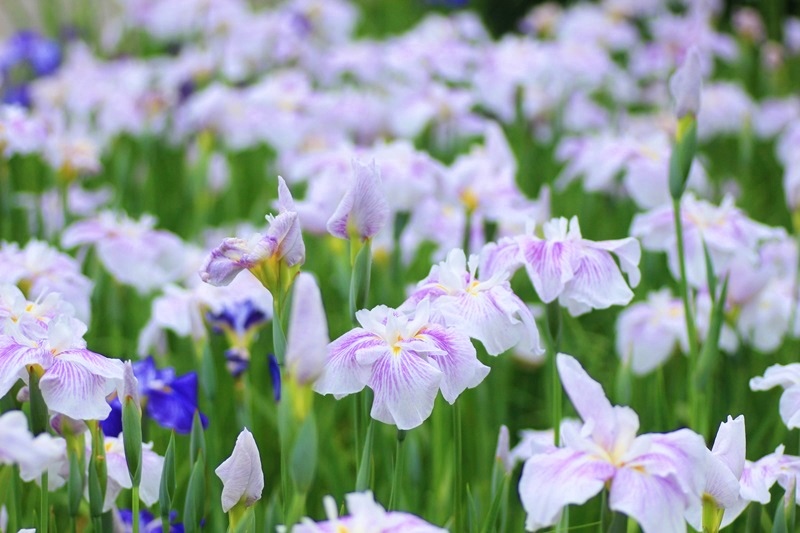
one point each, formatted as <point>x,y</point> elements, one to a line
<point>686,83</point>
<point>363,210</point>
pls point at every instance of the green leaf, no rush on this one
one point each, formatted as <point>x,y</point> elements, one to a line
<point>197,440</point>
<point>168,483</point>
<point>304,454</point>
<point>490,521</point>
<point>194,507</point>
<point>363,477</point>
<point>710,351</point>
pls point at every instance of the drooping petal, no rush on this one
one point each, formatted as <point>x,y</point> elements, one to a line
<point>405,387</point>
<point>790,407</point>
<point>503,256</point>
<point>234,255</point>
<point>343,374</point>
<point>76,391</point>
<point>241,474</point>
<point>657,503</point>
<point>596,284</point>
<point>307,340</point>
<point>551,481</point>
<point>459,363</point>
<point>783,375</point>
<point>152,466</point>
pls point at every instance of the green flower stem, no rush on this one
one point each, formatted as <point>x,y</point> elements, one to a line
<point>44,513</point>
<point>398,470</point>
<point>691,330</point>
<point>135,507</point>
<point>458,485</point>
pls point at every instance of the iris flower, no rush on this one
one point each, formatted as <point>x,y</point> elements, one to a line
<point>405,360</point>
<point>653,478</point>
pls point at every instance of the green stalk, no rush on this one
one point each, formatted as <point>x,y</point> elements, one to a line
<point>691,330</point>
<point>135,508</point>
<point>458,485</point>
<point>44,513</point>
<point>398,470</point>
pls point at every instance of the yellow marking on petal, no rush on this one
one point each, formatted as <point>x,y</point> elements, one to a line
<point>341,528</point>
<point>473,287</point>
<point>470,199</point>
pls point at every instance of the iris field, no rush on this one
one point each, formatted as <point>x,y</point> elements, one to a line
<point>358,266</point>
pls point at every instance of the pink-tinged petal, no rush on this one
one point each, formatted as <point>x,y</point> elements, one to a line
<point>13,360</point>
<point>479,316</point>
<point>405,388</point>
<point>76,391</point>
<point>503,256</point>
<point>657,503</point>
<point>241,474</point>
<point>307,340</point>
<point>549,265</point>
<point>343,374</point>
<point>588,398</point>
<point>757,479</point>
<point>459,363</point>
<point>363,210</point>
<point>551,481</point>
<point>790,407</point>
<point>596,284</point>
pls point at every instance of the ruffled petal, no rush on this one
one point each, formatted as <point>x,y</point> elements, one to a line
<point>459,363</point>
<point>343,374</point>
<point>551,481</point>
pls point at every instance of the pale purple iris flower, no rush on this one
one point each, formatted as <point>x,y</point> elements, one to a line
<point>366,515</point>
<point>653,478</point>
<point>686,83</point>
<point>33,455</point>
<point>133,251</point>
<point>75,381</point>
<point>725,230</point>
<point>649,332</point>
<point>282,241</point>
<point>758,477</point>
<point>486,309</point>
<point>788,377</point>
<point>580,273</point>
<point>363,211</point>
<point>405,360</point>
<point>119,476</point>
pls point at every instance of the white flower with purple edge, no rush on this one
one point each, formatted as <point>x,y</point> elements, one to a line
<point>653,478</point>
<point>75,381</point>
<point>579,272</point>
<point>405,360</point>
<point>486,309</point>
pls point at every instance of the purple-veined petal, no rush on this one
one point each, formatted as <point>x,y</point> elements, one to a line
<point>596,283</point>
<point>405,388</point>
<point>74,390</point>
<point>549,265</point>
<point>13,359</point>
<point>234,255</point>
<point>459,364</point>
<point>343,374</point>
<point>284,230</point>
<point>503,256</point>
<point>551,481</point>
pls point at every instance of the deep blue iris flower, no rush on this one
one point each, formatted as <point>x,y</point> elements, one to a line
<point>169,400</point>
<point>28,47</point>
<point>148,523</point>
<point>238,318</point>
